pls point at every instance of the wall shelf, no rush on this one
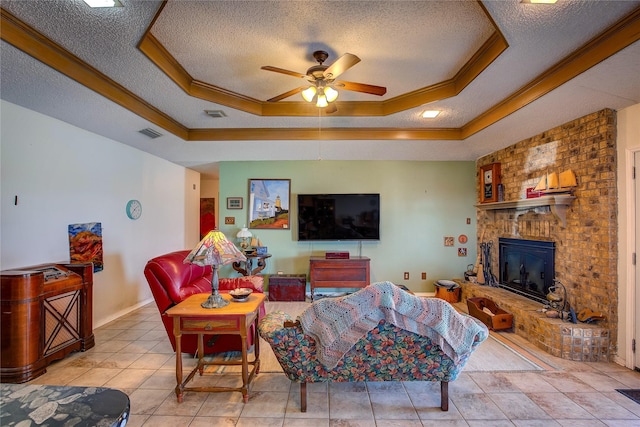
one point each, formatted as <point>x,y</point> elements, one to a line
<point>557,203</point>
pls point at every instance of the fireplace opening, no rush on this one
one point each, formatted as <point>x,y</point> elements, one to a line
<point>527,267</point>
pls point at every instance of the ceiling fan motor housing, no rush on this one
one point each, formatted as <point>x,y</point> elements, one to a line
<point>317,71</point>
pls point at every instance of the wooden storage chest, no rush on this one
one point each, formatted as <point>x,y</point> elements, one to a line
<point>287,287</point>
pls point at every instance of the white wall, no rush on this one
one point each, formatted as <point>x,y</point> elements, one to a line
<point>65,175</point>
<point>628,143</point>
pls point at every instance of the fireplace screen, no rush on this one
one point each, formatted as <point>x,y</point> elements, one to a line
<point>527,267</point>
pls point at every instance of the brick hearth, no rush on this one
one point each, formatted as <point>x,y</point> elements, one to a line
<point>580,342</point>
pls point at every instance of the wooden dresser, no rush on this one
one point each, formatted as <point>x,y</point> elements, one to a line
<point>46,314</point>
<point>338,273</point>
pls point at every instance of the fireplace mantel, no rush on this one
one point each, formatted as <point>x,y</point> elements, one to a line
<point>557,203</point>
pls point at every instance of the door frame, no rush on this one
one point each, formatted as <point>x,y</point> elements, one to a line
<point>632,296</point>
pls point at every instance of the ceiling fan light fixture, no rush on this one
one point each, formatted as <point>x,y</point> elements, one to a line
<point>309,93</point>
<point>330,93</point>
<point>322,101</point>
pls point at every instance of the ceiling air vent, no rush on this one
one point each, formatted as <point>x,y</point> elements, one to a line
<point>150,133</point>
<point>215,113</point>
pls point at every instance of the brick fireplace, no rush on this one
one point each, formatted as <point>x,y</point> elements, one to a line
<point>585,241</point>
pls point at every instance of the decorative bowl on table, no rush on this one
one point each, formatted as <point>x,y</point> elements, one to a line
<point>240,294</point>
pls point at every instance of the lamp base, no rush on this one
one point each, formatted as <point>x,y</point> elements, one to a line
<point>215,301</point>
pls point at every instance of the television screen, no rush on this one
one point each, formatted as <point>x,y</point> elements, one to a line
<point>338,217</point>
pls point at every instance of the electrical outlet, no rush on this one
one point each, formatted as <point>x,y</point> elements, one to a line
<point>468,220</point>
<point>424,276</point>
<point>406,275</point>
<point>229,220</point>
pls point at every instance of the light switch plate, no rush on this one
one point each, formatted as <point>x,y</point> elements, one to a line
<point>229,220</point>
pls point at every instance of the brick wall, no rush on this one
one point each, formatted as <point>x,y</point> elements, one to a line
<point>586,249</point>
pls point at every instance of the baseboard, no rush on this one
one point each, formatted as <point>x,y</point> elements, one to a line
<point>121,313</point>
<point>425,294</point>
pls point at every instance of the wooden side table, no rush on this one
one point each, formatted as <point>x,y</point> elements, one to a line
<point>236,318</point>
<point>248,270</point>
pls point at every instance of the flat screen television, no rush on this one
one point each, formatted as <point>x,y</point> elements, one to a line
<point>338,217</point>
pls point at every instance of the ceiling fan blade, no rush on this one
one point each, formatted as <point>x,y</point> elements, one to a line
<point>283,71</point>
<point>287,94</point>
<point>341,65</point>
<point>361,87</point>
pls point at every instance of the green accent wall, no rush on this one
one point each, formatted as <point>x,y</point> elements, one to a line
<point>421,203</point>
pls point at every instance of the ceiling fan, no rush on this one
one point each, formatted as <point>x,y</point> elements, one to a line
<point>322,89</point>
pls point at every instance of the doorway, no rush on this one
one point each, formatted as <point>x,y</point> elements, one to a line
<point>636,281</point>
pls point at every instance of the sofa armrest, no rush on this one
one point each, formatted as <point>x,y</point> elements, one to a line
<point>272,325</point>
<point>253,282</point>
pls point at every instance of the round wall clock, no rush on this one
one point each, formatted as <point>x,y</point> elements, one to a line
<point>462,238</point>
<point>134,209</point>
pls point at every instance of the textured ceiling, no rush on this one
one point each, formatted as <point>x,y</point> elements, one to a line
<point>406,46</point>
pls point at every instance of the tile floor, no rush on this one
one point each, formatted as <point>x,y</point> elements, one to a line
<point>133,354</point>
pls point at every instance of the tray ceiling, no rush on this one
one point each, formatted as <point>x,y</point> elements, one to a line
<point>498,72</point>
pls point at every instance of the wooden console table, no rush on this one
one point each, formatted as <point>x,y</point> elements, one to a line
<point>338,273</point>
<point>46,314</point>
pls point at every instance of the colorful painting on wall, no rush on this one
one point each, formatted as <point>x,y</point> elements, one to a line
<point>269,203</point>
<point>207,216</point>
<point>85,244</point>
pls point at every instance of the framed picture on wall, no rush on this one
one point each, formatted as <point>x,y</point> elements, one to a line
<point>234,203</point>
<point>489,180</point>
<point>269,203</point>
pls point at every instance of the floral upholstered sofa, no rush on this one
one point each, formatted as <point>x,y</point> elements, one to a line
<point>394,336</point>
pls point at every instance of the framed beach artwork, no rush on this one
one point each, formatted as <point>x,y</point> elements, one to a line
<point>269,203</point>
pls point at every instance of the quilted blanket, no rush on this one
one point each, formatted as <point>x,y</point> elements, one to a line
<point>336,324</point>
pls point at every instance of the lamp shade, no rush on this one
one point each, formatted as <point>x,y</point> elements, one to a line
<point>243,233</point>
<point>322,101</point>
<point>309,93</point>
<point>330,93</point>
<point>214,249</point>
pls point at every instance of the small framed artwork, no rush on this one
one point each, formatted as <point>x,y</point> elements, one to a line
<point>85,244</point>
<point>448,241</point>
<point>234,202</point>
<point>489,180</point>
<point>462,251</point>
<point>268,203</point>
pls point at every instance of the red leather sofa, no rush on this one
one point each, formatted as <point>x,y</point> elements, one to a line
<point>171,281</point>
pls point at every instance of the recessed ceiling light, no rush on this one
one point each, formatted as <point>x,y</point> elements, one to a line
<point>539,1</point>
<point>103,3</point>
<point>430,114</point>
